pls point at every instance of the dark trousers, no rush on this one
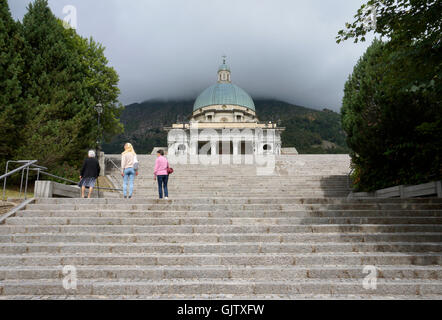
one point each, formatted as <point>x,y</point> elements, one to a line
<point>162,182</point>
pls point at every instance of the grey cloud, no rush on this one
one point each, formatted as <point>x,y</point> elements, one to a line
<point>171,49</point>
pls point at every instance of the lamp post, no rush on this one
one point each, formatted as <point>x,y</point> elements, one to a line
<point>99,109</point>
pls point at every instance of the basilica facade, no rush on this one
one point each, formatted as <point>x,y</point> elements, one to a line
<point>224,121</point>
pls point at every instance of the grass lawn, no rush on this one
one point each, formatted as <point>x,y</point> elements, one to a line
<point>14,193</point>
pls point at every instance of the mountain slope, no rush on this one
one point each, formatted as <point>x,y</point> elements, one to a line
<point>310,131</point>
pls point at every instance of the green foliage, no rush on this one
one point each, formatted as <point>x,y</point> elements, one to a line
<point>11,76</point>
<point>63,76</point>
<point>402,21</point>
<point>392,105</point>
<point>394,133</point>
<point>306,129</point>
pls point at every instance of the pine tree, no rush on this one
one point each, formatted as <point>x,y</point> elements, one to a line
<point>60,91</point>
<point>11,73</point>
<point>394,133</point>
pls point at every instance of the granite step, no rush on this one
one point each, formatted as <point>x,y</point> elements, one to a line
<point>220,229</point>
<point>304,215</point>
<point>224,200</point>
<point>219,286</point>
<point>227,259</point>
<point>94,237</point>
<point>232,247</point>
<point>219,272</point>
<point>165,205</point>
<point>198,221</point>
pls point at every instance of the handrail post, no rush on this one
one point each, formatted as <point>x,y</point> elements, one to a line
<point>21,182</point>
<point>26,185</point>
<point>4,184</point>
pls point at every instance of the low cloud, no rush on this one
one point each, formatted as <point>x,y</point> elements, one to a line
<point>171,49</point>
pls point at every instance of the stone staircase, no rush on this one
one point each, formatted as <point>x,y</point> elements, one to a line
<point>226,233</point>
<point>294,176</point>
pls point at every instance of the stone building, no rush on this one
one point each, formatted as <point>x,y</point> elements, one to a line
<point>224,121</point>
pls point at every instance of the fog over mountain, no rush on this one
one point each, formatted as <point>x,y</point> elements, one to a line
<point>171,49</point>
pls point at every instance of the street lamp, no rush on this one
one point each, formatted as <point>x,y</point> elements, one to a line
<point>99,109</point>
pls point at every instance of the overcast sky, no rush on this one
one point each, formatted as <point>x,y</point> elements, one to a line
<point>170,49</point>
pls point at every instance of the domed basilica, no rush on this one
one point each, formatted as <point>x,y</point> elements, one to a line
<point>224,121</point>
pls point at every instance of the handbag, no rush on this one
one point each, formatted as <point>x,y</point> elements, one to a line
<point>169,170</point>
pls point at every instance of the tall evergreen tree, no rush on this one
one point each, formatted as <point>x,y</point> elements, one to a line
<point>392,109</point>
<point>394,133</point>
<point>60,91</point>
<point>11,72</point>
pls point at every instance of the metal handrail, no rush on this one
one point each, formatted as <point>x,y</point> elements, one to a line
<point>117,167</point>
<point>28,163</point>
<point>10,173</point>
<point>31,165</point>
<point>111,161</point>
<point>73,182</point>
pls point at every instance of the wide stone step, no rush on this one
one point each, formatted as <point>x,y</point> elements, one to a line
<point>233,247</point>
<point>353,214</point>
<point>246,200</point>
<point>220,286</point>
<point>151,221</point>
<point>227,297</point>
<point>312,190</point>
<point>140,194</point>
<point>243,259</point>
<point>220,229</point>
<point>219,272</point>
<point>244,207</point>
<point>184,195</point>
<point>237,179</point>
<point>238,185</point>
<point>94,237</point>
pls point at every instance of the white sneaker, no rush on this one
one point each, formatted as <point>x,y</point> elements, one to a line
<point>166,198</point>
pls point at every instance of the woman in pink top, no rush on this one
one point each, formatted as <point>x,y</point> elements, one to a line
<point>161,174</point>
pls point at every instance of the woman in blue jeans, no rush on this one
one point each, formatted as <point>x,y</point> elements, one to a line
<point>161,174</point>
<point>128,161</point>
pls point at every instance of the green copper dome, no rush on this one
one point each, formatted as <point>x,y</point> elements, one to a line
<point>224,94</point>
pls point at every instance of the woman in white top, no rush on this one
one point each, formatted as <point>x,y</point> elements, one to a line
<point>128,162</point>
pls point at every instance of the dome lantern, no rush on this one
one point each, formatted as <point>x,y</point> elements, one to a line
<point>224,72</point>
<point>224,93</point>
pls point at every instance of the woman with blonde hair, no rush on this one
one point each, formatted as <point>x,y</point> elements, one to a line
<point>129,168</point>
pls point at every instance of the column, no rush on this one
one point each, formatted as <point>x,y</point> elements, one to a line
<point>235,148</point>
